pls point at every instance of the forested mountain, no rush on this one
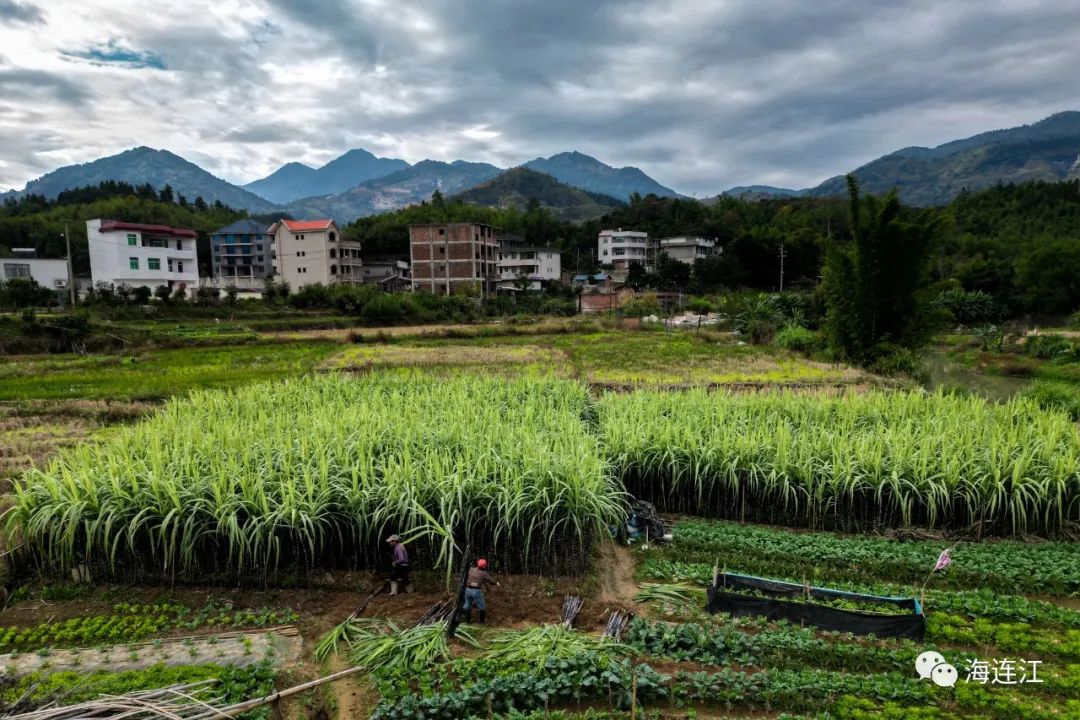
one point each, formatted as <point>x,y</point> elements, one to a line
<point>143,165</point>
<point>588,173</point>
<point>1048,150</point>
<point>296,180</point>
<point>521,188</point>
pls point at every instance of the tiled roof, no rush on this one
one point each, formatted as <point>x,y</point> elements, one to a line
<point>307,225</point>
<point>110,225</point>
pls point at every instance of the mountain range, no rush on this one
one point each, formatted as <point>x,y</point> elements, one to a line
<point>294,180</point>
<point>359,183</point>
<point>1047,150</point>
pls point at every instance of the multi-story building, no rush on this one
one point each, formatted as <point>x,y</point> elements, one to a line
<point>539,264</point>
<point>312,251</point>
<point>138,254</point>
<point>446,257</point>
<point>243,254</point>
<point>47,272</point>
<point>621,247</point>
<point>688,249</point>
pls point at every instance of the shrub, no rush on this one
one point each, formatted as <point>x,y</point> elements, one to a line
<point>382,309</point>
<point>967,307</point>
<point>1056,396</point>
<point>1049,347</point>
<point>798,339</point>
<point>641,305</point>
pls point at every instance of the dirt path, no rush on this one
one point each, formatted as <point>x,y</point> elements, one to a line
<point>354,696</point>
<point>617,584</point>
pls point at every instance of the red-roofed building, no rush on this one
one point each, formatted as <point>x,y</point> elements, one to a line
<point>142,255</point>
<point>312,251</point>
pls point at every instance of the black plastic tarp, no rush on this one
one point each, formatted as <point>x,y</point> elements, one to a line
<point>723,598</point>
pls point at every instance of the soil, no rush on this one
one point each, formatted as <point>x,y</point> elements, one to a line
<point>617,584</point>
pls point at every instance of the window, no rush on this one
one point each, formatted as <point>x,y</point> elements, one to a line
<point>179,244</point>
<point>605,252</point>
<point>132,239</point>
<point>333,269</point>
<point>179,266</point>
<point>333,237</point>
<point>442,231</point>
<point>333,253</point>
<point>170,265</point>
<point>133,263</point>
<point>16,270</point>
<point>153,263</point>
<point>156,242</point>
<point>442,251</point>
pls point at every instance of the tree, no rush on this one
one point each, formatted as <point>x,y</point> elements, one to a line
<point>437,199</point>
<point>873,282</point>
<point>1048,276</point>
<point>162,293</point>
<point>166,193</point>
<point>672,274</point>
<point>24,293</point>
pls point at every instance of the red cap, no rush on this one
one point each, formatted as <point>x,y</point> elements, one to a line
<point>481,563</point>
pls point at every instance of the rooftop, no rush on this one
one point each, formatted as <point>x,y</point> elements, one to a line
<point>243,227</point>
<point>307,225</point>
<point>118,226</point>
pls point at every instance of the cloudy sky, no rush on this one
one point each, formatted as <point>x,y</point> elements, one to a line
<point>700,94</point>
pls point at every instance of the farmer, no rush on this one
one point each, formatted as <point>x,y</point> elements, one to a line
<point>399,565</point>
<point>474,591</point>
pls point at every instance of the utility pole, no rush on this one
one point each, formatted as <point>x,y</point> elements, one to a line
<point>70,274</point>
<point>783,254</point>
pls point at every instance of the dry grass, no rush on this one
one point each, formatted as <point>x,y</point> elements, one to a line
<point>379,356</point>
<point>31,433</point>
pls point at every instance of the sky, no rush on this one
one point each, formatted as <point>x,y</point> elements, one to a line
<point>701,95</point>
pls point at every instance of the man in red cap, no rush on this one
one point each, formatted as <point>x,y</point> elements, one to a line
<point>477,579</point>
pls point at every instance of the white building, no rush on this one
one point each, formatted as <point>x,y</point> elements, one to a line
<point>47,272</point>
<point>312,251</point>
<point>539,264</point>
<point>622,247</point>
<point>688,249</point>
<point>136,254</point>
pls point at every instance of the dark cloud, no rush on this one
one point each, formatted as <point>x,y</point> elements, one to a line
<point>13,11</point>
<point>701,95</point>
<point>35,85</point>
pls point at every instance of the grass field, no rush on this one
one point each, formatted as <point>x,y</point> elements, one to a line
<point>155,374</point>
<point>617,358</point>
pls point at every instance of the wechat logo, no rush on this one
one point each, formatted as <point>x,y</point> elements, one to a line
<point>931,666</point>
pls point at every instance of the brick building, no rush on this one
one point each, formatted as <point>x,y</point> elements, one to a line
<point>446,257</point>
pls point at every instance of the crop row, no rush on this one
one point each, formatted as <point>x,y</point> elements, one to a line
<point>314,472</point>
<point>853,462</point>
<point>126,626</point>
<point>1045,567</point>
<point>317,471</point>
<point>591,678</point>
<point>235,684</point>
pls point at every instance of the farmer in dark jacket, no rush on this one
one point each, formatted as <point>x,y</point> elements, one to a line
<point>478,578</point>
<point>399,565</point>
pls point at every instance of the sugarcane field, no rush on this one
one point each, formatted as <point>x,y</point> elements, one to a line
<point>443,526</point>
